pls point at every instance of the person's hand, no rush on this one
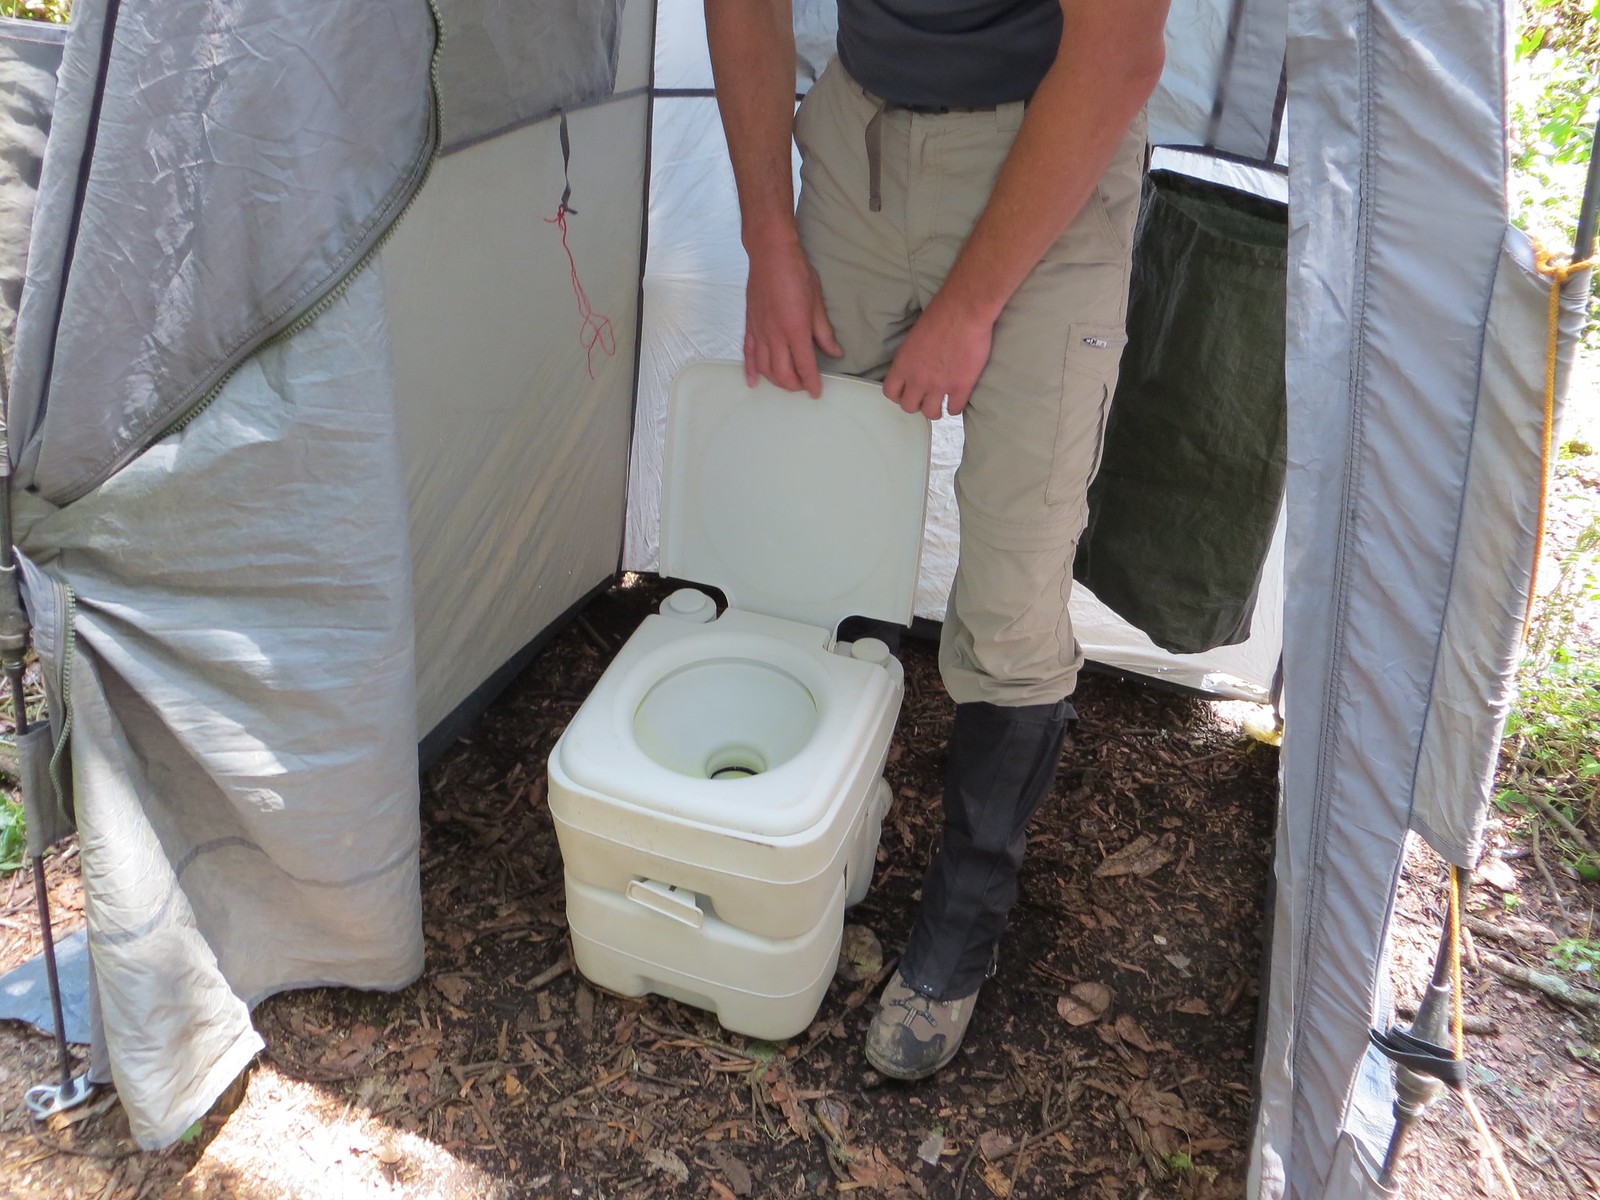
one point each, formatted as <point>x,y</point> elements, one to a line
<point>939,363</point>
<point>785,321</point>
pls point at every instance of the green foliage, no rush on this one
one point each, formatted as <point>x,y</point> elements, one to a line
<point>1552,747</point>
<point>1553,106</point>
<point>57,12</point>
<point>1576,954</point>
<point>13,835</point>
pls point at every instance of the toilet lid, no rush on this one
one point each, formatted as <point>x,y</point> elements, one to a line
<point>810,510</point>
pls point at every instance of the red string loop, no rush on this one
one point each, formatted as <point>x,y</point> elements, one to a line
<point>594,329</point>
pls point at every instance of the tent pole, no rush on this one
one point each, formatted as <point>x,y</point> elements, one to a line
<point>46,1099</point>
<point>1416,1088</point>
<point>1583,245</point>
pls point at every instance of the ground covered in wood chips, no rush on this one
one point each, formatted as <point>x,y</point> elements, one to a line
<point>1111,1056</point>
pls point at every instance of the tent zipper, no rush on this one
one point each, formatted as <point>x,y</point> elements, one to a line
<point>295,322</point>
<point>67,605</point>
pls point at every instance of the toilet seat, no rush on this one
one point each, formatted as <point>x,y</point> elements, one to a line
<point>601,750</point>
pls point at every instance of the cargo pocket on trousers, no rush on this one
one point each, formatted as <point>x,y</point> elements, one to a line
<point>1088,378</point>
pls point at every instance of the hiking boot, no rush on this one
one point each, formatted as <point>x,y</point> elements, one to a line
<point>912,1036</point>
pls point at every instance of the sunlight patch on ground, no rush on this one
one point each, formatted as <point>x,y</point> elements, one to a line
<point>291,1139</point>
<point>1244,718</point>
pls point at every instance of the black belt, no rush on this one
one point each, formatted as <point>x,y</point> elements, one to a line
<point>940,110</point>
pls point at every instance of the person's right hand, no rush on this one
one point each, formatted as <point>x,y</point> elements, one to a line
<point>785,320</point>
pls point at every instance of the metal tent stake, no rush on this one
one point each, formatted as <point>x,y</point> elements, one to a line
<point>68,1092</point>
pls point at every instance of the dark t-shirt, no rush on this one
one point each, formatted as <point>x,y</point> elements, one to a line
<point>955,53</point>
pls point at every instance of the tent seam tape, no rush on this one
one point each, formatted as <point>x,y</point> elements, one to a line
<point>1320,802</point>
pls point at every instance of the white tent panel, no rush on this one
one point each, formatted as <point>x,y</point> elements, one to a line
<point>515,458</point>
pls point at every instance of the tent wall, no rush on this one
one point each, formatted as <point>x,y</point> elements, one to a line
<point>29,57</point>
<point>505,63</point>
<point>695,273</point>
<point>1412,488</point>
<point>158,262</point>
<point>516,459</point>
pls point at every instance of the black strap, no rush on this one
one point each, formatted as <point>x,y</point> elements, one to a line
<point>1422,1056</point>
<point>566,167</point>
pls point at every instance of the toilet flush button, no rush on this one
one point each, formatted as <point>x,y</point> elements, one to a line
<point>871,650</point>
<point>689,604</point>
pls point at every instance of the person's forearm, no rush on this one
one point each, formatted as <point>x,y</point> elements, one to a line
<point>752,58</point>
<point>1109,62</point>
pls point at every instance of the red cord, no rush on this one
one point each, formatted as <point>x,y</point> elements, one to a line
<point>595,328</point>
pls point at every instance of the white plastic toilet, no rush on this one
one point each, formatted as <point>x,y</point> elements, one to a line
<point>718,796</point>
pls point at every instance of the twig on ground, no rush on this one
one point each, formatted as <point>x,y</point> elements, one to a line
<point>1549,879</point>
<point>683,1035</point>
<point>1475,1024</point>
<point>1551,985</point>
<point>961,1180</point>
<point>1490,930</point>
<point>604,1081</point>
<point>1490,1143</point>
<point>549,974</point>
<point>467,1090</point>
<point>1556,815</point>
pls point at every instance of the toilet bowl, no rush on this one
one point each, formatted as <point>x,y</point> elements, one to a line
<point>718,795</point>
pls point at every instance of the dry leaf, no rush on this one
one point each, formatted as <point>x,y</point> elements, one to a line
<point>793,1110</point>
<point>873,1169</point>
<point>1142,856</point>
<point>993,1143</point>
<point>997,1180</point>
<point>1085,1002</point>
<point>584,1003</point>
<point>1130,1031</point>
<point>734,1171</point>
<point>1497,873</point>
<point>353,1051</point>
<point>1192,1005</point>
<point>513,1085</point>
<point>667,1163</point>
<point>453,988</point>
<point>860,954</point>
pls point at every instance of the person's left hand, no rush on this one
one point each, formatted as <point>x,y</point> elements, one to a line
<point>939,363</point>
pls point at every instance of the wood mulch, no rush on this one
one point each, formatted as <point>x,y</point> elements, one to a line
<point>1111,1056</point>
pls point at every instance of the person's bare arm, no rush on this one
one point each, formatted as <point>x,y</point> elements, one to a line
<point>752,58</point>
<point>1109,62</point>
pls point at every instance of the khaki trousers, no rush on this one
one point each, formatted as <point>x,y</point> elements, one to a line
<point>1036,420</point>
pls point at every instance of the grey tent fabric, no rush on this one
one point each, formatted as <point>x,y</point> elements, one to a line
<point>223,618</point>
<point>510,62</point>
<point>235,162</point>
<point>1183,509</point>
<point>1480,643</point>
<point>29,56</point>
<point>1246,112</point>
<point>242,709</point>
<point>1397,186</point>
<point>1224,70</point>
